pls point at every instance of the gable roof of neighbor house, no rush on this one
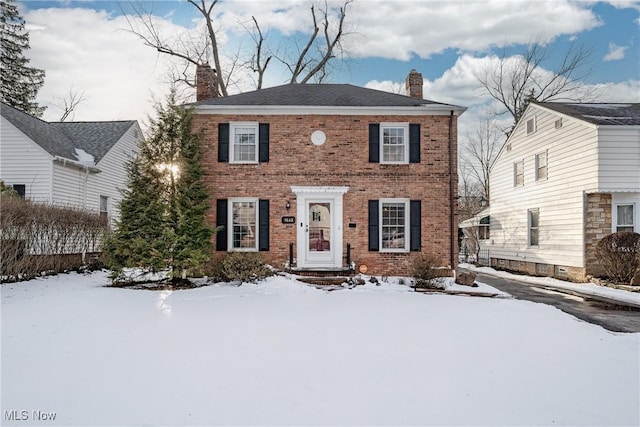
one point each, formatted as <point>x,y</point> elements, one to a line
<point>63,138</point>
<point>617,114</point>
<point>321,95</point>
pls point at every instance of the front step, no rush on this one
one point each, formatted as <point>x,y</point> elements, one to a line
<point>322,272</point>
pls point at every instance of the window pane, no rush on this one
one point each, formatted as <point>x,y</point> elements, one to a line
<point>533,237</point>
<point>393,144</point>
<point>393,225</point>
<point>244,225</point>
<point>534,219</point>
<point>244,144</point>
<point>541,164</point>
<point>625,216</point>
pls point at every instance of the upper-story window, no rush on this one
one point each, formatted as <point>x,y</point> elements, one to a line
<point>394,142</point>
<point>625,217</point>
<point>518,173</point>
<point>531,125</point>
<point>104,206</point>
<point>541,166</point>
<point>244,142</point>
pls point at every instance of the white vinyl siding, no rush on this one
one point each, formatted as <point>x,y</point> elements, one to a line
<point>22,161</point>
<point>113,175</point>
<point>619,166</point>
<point>561,229</point>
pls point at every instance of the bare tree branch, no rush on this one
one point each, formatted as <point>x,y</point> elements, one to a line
<point>516,81</point>
<point>70,103</point>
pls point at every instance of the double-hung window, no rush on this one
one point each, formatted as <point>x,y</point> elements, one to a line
<point>244,142</point>
<point>518,173</point>
<point>483,228</point>
<point>394,225</point>
<point>104,206</point>
<point>625,217</point>
<point>534,227</point>
<point>394,143</point>
<point>243,218</point>
<point>541,166</point>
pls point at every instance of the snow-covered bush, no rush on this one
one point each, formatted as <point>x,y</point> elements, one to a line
<point>619,255</point>
<point>425,272</point>
<point>244,267</point>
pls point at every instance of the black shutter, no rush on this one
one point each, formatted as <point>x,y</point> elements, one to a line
<point>263,225</point>
<point>374,143</point>
<point>415,227</point>
<point>414,143</point>
<point>374,229</point>
<point>221,225</point>
<point>223,142</point>
<point>263,142</point>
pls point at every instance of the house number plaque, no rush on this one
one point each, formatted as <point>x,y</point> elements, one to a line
<point>288,219</point>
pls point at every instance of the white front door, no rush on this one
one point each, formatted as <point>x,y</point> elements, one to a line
<point>319,224</point>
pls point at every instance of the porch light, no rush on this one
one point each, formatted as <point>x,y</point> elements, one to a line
<point>287,206</point>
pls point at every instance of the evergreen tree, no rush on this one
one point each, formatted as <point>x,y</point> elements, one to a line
<point>162,214</point>
<point>20,83</point>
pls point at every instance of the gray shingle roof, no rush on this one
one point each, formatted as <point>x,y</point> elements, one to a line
<point>333,95</point>
<point>621,114</point>
<point>61,138</point>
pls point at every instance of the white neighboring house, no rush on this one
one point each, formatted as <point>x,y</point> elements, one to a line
<point>476,235</point>
<point>568,175</point>
<point>79,164</point>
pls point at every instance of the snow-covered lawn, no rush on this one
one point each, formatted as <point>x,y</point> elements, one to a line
<point>282,353</point>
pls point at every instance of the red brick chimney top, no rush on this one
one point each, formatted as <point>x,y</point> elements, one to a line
<point>413,84</point>
<point>206,82</point>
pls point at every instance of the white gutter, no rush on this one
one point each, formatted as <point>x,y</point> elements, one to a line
<point>76,164</point>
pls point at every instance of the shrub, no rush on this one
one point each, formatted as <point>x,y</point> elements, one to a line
<point>425,272</point>
<point>245,267</point>
<point>619,255</point>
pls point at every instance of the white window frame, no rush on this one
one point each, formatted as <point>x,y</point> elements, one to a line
<point>546,166</point>
<point>233,126</point>
<point>515,173</point>
<point>534,126</point>
<point>529,228</point>
<point>634,216</point>
<point>405,127</point>
<point>407,218</point>
<point>231,202</point>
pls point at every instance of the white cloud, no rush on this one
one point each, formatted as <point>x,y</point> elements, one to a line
<point>615,52</point>
<point>89,52</point>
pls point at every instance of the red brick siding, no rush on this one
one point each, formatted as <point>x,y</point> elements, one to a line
<point>341,161</point>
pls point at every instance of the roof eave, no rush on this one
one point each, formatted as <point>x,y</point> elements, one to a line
<point>424,109</point>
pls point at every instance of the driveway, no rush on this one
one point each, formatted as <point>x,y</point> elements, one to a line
<point>616,318</point>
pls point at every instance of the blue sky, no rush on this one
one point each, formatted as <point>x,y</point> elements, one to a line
<point>84,46</point>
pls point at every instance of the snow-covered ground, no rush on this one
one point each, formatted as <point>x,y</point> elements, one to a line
<point>283,353</point>
<point>583,288</point>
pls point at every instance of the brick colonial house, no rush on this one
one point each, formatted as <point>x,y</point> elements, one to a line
<point>568,175</point>
<point>331,176</point>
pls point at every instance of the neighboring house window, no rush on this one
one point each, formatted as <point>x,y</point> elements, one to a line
<point>394,142</point>
<point>534,231</point>
<point>624,217</point>
<point>21,189</point>
<point>531,125</point>
<point>541,166</point>
<point>104,206</point>
<point>243,220</point>
<point>558,123</point>
<point>394,225</point>
<point>518,173</point>
<point>244,142</point>
<point>483,229</point>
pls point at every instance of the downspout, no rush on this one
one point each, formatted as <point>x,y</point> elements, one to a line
<point>452,228</point>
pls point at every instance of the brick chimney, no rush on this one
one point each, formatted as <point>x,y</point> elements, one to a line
<point>413,84</point>
<point>206,82</point>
